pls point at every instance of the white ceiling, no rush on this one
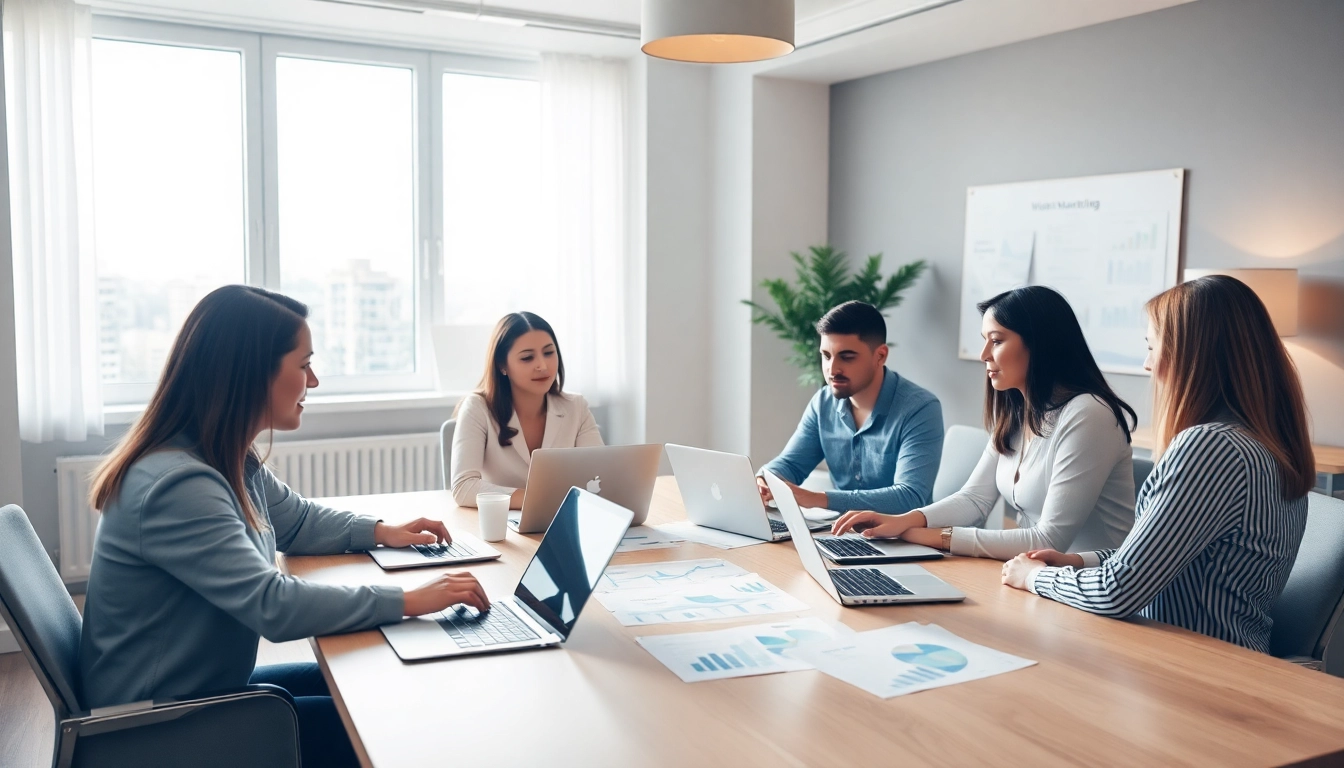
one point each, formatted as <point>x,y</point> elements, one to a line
<point>962,27</point>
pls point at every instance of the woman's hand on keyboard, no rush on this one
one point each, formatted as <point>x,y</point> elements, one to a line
<point>447,590</point>
<point>875,525</point>
<point>419,531</point>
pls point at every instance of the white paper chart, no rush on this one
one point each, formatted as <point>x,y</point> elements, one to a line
<point>906,658</point>
<point>732,598</point>
<point>668,574</point>
<point>757,649</point>
<point>1107,243</point>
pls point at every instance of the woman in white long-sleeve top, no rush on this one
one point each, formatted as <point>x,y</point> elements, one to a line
<point>184,578</point>
<point>1222,514</point>
<point>1059,452</point>
<point>519,407</point>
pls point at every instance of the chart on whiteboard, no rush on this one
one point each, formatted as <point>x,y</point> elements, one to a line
<point>1107,243</point>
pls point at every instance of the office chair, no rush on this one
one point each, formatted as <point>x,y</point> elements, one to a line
<point>1308,612</point>
<point>254,725</point>
<point>962,447</point>
<point>1142,468</point>
<point>446,451</point>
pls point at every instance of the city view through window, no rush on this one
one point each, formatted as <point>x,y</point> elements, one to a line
<point>171,217</point>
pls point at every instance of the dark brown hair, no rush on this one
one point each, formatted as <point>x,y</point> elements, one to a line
<point>855,318</point>
<point>1060,366</point>
<point>494,387</point>
<point>215,388</point>
<point>1221,355</point>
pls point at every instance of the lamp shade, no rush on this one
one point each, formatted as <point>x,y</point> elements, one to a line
<point>1277,289</point>
<point>717,31</point>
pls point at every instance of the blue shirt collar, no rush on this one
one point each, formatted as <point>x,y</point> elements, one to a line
<point>890,381</point>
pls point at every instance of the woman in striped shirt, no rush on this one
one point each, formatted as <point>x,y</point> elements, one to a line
<point>1220,518</point>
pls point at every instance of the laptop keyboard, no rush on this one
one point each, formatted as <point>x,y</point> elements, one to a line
<point>866,582</point>
<point>778,526</point>
<point>470,628</point>
<point>850,548</point>
<point>440,551</point>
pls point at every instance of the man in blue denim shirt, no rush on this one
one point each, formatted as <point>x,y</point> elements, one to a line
<point>880,434</point>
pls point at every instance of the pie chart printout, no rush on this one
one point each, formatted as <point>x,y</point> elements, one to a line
<point>937,657</point>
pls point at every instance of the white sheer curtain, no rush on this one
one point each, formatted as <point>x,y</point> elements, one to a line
<point>583,108</point>
<point>47,78</point>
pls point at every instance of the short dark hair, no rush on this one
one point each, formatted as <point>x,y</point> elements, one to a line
<point>855,318</point>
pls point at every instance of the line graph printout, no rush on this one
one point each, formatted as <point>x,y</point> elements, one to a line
<point>1107,243</point>
<point>730,598</point>
<point>757,649</point>
<point>665,575</point>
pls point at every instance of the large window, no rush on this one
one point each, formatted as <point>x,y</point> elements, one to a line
<point>387,189</point>
<point>346,148</point>
<point>168,194</point>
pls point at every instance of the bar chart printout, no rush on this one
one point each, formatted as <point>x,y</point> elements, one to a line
<point>739,651</point>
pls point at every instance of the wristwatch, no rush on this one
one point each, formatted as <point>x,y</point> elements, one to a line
<point>946,541</point>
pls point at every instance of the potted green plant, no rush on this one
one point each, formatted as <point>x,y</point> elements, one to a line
<point>824,280</point>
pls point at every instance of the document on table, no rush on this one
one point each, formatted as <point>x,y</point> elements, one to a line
<point>666,574</point>
<point>729,598</point>
<point>905,658</point>
<point>643,537</point>
<point>711,536</point>
<point>757,649</point>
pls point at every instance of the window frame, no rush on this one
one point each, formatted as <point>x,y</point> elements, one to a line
<point>262,259</point>
<point>248,47</point>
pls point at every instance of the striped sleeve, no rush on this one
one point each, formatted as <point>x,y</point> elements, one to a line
<point>1194,497</point>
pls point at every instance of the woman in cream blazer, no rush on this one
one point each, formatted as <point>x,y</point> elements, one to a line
<point>523,391</point>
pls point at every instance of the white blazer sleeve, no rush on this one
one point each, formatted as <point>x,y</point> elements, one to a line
<point>588,434</point>
<point>976,499</point>
<point>1085,454</point>
<point>470,438</point>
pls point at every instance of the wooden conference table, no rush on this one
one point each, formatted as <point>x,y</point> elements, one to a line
<point>1105,692</point>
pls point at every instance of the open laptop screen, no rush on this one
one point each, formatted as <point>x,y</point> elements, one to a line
<point>577,546</point>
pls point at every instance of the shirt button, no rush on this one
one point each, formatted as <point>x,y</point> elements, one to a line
<point>858,477</point>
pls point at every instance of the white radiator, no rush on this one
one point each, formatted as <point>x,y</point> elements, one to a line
<point>358,466</point>
<point>313,468</point>
<point>76,520</point>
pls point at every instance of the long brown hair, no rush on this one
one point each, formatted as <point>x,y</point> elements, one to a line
<point>215,388</point>
<point>494,387</point>
<point>1221,355</point>
<point>1060,366</point>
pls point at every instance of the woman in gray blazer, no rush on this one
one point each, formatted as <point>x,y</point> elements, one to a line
<point>184,579</point>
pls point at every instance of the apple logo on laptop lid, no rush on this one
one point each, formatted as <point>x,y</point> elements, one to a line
<point>715,492</point>
<point>595,485</point>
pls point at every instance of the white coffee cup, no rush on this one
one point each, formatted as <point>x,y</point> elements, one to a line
<point>493,510</point>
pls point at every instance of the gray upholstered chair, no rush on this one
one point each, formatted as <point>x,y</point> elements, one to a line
<point>1142,468</point>
<point>254,725</point>
<point>1308,612</point>
<point>446,451</point>
<point>962,446</point>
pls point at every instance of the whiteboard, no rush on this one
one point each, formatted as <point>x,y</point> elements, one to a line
<point>1107,243</point>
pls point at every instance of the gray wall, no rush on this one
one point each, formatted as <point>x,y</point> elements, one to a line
<point>1248,95</point>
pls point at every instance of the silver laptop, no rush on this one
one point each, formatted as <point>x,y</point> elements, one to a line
<point>464,548</point>
<point>547,601</point>
<point>857,585</point>
<point>621,473</point>
<point>719,491</point>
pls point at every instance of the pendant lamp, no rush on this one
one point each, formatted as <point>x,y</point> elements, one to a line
<point>717,31</point>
